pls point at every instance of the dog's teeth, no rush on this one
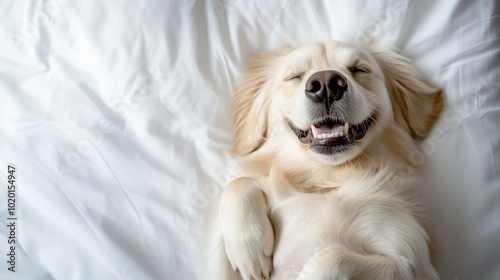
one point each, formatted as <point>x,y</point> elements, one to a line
<point>314,131</point>
<point>318,135</point>
<point>346,128</point>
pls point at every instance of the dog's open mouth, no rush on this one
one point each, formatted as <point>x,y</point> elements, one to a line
<point>332,136</point>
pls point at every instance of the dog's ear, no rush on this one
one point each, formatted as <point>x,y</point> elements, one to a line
<point>251,103</point>
<point>414,100</point>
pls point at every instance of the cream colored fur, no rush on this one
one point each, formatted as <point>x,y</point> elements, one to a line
<point>299,214</point>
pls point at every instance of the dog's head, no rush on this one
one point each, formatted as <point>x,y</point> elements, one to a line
<point>331,100</point>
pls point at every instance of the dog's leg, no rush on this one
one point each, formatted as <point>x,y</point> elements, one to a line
<point>247,233</point>
<point>373,249</point>
<point>341,263</point>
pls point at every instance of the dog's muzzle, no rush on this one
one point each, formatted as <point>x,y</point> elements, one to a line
<point>330,134</point>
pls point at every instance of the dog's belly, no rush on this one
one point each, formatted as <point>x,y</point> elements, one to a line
<point>303,225</point>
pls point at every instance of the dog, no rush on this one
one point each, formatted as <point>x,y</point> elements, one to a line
<point>327,135</point>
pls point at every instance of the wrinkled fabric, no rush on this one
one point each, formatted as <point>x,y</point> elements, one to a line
<point>116,115</point>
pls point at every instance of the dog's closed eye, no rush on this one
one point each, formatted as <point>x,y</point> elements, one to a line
<point>358,69</point>
<point>294,76</point>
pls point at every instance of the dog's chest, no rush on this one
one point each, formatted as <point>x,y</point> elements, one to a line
<point>303,224</point>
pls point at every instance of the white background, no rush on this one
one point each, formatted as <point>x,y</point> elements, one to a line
<point>116,115</point>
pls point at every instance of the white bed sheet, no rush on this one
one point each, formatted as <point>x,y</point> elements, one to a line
<point>116,117</point>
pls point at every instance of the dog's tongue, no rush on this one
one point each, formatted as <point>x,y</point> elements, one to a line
<point>329,128</point>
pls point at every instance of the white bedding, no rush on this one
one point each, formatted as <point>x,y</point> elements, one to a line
<point>115,115</point>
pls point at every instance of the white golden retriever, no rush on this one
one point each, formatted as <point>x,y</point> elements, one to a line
<point>327,133</point>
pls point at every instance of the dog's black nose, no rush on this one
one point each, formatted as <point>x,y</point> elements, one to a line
<point>326,87</point>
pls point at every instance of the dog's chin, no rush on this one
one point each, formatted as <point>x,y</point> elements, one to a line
<point>333,141</point>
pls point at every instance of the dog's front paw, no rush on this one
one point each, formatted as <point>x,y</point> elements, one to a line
<point>250,250</point>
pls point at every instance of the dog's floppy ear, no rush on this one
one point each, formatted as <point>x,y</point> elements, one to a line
<point>251,104</point>
<point>418,103</point>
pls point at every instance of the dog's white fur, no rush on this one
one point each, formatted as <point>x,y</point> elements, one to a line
<point>300,214</point>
